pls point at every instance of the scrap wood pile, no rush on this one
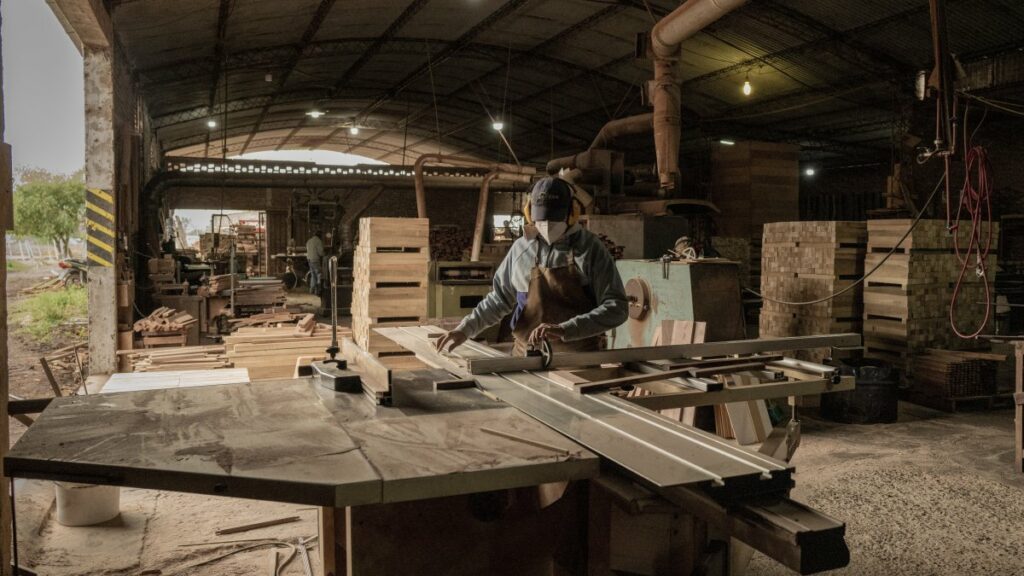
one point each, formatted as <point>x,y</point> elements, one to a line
<point>941,377</point>
<point>165,359</point>
<point>274,352</point>
<point>164,320</point>
<point>47,285</point>
<point>164,327</point>
<point>447,243</point>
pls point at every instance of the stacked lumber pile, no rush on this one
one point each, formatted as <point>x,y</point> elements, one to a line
<point>274,352</point>
<point>944,379</point>
<point>391,275</point>
<point>184,358</point>
<point>906,301</point>
<point>161,272</point>
<point>246,241</point>
<point>261,292</point>
<point>221,283</point>
<point>164,327</point>
<point>448,242</point>
<point>762,175</point>
<point>273,317</point>
<point>803,261</point>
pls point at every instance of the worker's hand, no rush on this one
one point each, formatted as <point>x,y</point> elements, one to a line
<point>451,341</point>
<point>546,332</point>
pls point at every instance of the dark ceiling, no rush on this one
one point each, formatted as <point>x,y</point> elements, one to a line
<point>419,76</point>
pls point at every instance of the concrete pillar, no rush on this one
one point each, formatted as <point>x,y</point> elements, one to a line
<point>101,208</point>
<point>6,206</point>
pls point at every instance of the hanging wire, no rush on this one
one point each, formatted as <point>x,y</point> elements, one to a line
<point>433,93</point>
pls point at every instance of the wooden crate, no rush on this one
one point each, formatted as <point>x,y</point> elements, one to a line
<point>390,279</point>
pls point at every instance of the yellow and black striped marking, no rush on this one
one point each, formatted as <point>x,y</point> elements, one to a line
<point>99,225</point>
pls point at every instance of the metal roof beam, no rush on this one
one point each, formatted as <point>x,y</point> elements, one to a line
<point>314,25</point>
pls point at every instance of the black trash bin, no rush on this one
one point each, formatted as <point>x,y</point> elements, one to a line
<point>873,401</point>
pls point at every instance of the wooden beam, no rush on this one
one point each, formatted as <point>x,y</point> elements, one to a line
<point>86,22</point>
<point>759,391</point>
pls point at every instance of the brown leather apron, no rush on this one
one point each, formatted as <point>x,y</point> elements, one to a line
<point>555,295</point>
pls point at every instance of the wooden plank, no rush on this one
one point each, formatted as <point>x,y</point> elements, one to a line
<point>759,391</point>
<point>376,377</point>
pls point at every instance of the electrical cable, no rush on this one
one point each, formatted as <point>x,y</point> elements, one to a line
<point>920,215</point>
<point>976,204</point>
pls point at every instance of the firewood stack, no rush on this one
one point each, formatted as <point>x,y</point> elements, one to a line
<point>447,243</point>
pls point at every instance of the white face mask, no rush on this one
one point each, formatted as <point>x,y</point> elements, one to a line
<point>551,231</point>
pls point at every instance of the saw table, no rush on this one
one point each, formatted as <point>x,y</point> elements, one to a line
<point>523,471</point>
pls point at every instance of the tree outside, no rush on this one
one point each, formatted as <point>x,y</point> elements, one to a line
<point>49,206</point>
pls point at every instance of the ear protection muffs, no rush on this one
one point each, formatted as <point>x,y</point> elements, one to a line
<point>574,213</point>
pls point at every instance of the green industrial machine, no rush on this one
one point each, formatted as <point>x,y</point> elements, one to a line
<point>457,287</point>
<point>706,290</point>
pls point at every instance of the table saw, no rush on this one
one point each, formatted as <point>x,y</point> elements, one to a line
<point>482,464</point>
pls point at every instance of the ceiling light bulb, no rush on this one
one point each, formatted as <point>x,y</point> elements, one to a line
<point>353,130</point>
<point>809,171</point>
<point>269,77</point>
<point>498,125</point>
<point>314,114</point>
<point>211,123</point>
<point>727,142</point>
<point>747,88</point>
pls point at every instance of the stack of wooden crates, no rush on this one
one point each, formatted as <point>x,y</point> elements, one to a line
<point>391,273</point>
<point>907,300</point>
<point>803,261</point>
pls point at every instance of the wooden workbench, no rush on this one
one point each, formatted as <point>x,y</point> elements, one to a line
<point>425,462</point>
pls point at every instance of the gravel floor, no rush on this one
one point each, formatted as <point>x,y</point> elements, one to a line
<point>934,494</point>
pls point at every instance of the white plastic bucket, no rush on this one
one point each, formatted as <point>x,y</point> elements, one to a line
<point>86,504</point>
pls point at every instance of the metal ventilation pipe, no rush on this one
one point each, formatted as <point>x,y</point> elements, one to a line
<point>610,132</point>
<point>459,161</point>
<point>525,176</point>
<point>666,39</point>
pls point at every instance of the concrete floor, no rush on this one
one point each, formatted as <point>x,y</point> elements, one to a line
<point>934,494</point>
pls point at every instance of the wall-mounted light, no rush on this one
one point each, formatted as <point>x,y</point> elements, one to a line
<point>314,114</point>
<point>498,125</point>
<point>727,142</point>
<point>211,123</point>
<point>809,171</point>
<point>354,130</point>
<point>747,88</point>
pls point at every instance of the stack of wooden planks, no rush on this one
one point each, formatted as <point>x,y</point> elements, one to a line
<point>754,183</point>
<point>164,327</point>
<point>944,379</point>
<point>391,275</point>
<point>804,261</point>
<point>221,283</point>
<point>274,352</point>
<point>262,292</point>
<point>166,359</point>
<point>274,317</point>
<point>906,301</point>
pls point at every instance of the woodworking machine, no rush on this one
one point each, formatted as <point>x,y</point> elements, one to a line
<point>568,460</point>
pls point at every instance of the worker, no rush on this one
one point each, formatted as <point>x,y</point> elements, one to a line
<point>558,281</point>
<point>315,256</point>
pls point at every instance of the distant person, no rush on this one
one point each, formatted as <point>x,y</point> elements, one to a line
<point>315,256</point>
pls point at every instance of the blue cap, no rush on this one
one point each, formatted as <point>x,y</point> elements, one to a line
<point>550,200</point>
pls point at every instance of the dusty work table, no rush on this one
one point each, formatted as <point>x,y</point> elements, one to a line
<point>294,441</point>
